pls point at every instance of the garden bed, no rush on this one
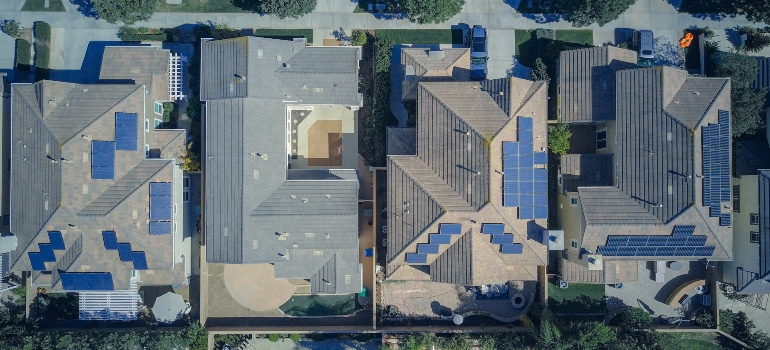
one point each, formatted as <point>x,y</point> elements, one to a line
<point>423,36</point>
<point>39,5</point>
<point>193,6</point>
<point>285,34</point>
<point>321,305</point>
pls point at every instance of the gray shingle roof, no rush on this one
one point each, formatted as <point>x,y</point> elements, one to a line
<point>136,63</point>
<point>304,221</point>
<point>750,156</point>
<point>402,141</point>
<point>586,170</point>
<point>440,65</point>
<point>587,82</point>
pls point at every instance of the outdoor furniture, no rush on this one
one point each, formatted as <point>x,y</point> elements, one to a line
<point>705,300</point>
<point>368,252</point>
<point>682,291</point>
<point>169,307</point>
<point>675,265</point>
<point>702,289</point>
<point>563,284</point>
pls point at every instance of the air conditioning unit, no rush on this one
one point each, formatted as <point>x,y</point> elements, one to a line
<point>729,289</point>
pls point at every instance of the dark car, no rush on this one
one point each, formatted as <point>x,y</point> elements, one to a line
<point>479,57</point>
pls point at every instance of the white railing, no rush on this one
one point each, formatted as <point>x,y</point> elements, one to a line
<point>175,77</point>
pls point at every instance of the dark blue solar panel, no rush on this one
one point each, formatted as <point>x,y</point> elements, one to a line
<point>511,200</point>
<point>526,174</point>
<point>684,251</point>
<point>696,241</point>
<point>684,230</point>
<point>516,248</point>
<point>525,135</point>
<point>646,251</point>
<point>102,160</point>
<point>525,149</point>
<point>526,213</point>
<point>439,239</point>
<point>493,228</point>
<point>124,251</point>
<point>510,161</point>
<point>140,261</point>
<point>724,117</point>
<point>541,200</point>
<point>512,174</point>
<point>676,241</point>
<point>160,208</point>
<point>160,189</point>
<point>665,251</point>
<point>46,251</point>
<point>526,188</point>
<point>416,258</point>
<point>541,174</point>
<point>56,239</point>
<point>608,251</point>
<point>502,239</point>
<point>427,248</point>
<point>637,241</point>
<point>617,240</point>
<point>450,229</point>
<point>110,240</point>
<point>541,158</point>
<point>656,241</point>
<point>525,123</point>
<point>126,126</point>
<point>160,227</point>
<point>724,219</point>
<point>541,187</point>
<point>626,251</point>
<point>526,161</point>
<point>541,213</point>
<point>704,251</point>
<point>36,259</point>
<point>86,281</point>
<point>510,148</point>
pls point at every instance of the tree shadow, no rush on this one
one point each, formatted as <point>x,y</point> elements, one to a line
<point>542,18</point>
<point>86,7</point>
<point>733,36</point>
<point>668,53</point>
<point>389,16</point>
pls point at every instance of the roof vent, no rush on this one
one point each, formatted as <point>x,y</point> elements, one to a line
<point>295,245</point>
<point>304,86</point>
<point>278,58</point>
<point>501,93</point>
<point>293,196</point>
<point>52,102</point>
<point>135,70</point>
<point>304,200</point>
<point>328,195</point>
<point>318,89</point>
<point>334,85</point>
<point>676,102</point>
<point>436,55</point>
<point>259,53</point>
<point>85,90</point>
<point>287,65</point>
<point>264,157</point>
<point>696,93</point>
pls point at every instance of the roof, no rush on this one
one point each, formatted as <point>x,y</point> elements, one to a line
<point>258,209</point>
<point>753,282</point>
<point>763,78</point>
<point>586,170</point>
<point>401,141</point>
<point>424,64</point>
<point>455,179</point>
<point>659,163</point>
<point>137,64</point>
<point>587,82</point>
<point>57,200</point>
<point>750,156</point>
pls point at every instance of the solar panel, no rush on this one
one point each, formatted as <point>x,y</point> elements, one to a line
<point>525,123</point>
<point>527,200</point>
<point>724,117</point>
<point>676,241</point>
<point>541,187</point>
<point>525,149</point>
<point>665,251</point>
<point>161,207</point>
<point>541,213</point>
<point>541,174</point>
<point>608,251</point>
<point>140,261</point>
<point>102,160</point>
<point>160,189</point>
<point>541,158</point>
<point>511,200</point>
<point>36,259</point>
<point>696,241</point>
<point>160,227</point>
<point>493,228</point>
<point>526,174</point>
<point>510,161</point>
<point>56,239</point>
<point>450,229</point>
<point>525,135</point>
<point>510,147</point>
<point>86,281</point>
<point>684,251</point>
<point>439,239</point>
<point>626,251</point>
<point>526,161</point>
<point>416,258</point>
<point>646,251</point>
<point>512,174</point>
<point>704,251</point>
<point>427,248</point>
<point>516,248</point>
<point>617,240</point>
<point>110,240</point>
<point>126,126</point>
<point>527,189</point>
<point>526,213</point>
<point>46,251</point>
<point>657,241</point>
<point>724,219</point>
<point>124,251</point>
<point>637,241</point>
<point>684,230</point>
<point>502,239</point>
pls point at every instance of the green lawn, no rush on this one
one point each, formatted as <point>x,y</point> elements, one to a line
<point>595,291</point>
<point>320,305</point>
<point>39,5</point>
<point>576,36</point>
<point>285,33</point>
<point>198,6</point>
<point>690,341</point>
<point>578,298</point>
<point>423,36</point>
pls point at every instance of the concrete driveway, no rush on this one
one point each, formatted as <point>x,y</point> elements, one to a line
<point>501,44</point>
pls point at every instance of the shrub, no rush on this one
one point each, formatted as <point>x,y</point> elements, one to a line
<point>358,38</point>
<point>43,31</point>
<point>540,73</point>
<point>127,33</point>
<point>168,107</point>
<point>295,337</point>
<point>273,338</point>
<point>13,28</point>
<point>23,54</point>
<point>705,319</point>
<point>635,319</point>
<point>755,40</point>
<point>558,139</point>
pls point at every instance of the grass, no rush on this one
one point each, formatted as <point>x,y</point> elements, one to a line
<point>595,291</point>
<point>286,34</point>
<point>578,298</point>
<point>320,305</point>
<point>39,5</point>
<point>576,36</point>
<point>215,6</point>
<point>423,36</point>
<point>690,341</point>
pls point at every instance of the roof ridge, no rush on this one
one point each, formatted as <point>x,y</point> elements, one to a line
<point>133,171</point>
<point>711,104</point>
<point>425,166</point>
<point>530,94</point>
<point>458,115</point>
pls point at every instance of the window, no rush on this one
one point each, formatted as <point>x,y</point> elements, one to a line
<point>601,139</point>
<point>573,201</point>
<point>186,196</point>
<point>573,244</point>
<point>146,125</point>
<point>186,182</point>
<point>737,199</point>
<point>754,236</point>
<point>754,219</point>
<point>146,150</point>
<point>158,108</point>
<point>158,123</point>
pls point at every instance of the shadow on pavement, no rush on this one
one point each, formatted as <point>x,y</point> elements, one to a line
<point>86,7</point>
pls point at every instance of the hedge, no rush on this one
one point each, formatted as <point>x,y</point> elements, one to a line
<point>43,31</point>
<point>422,36</point>
<point>286,34</point>
<point>23,54</point>
<point>126,33</point>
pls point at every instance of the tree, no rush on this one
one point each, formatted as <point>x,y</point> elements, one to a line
<point>190,161</point>
<point>755,40</point>
<point>705,319</point>
<point>126,11</point>
<point>540,73</point>
<point>12,28</point>
<point>558,139</point>
<point>430,11</point>
<point>583,13</point>
<point>754,10</point>
<point>635,319</point>
<point>358,38</point>
<point>287,8</point>
<point>747,103</point>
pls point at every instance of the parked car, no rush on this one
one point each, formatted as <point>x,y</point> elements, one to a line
<point>646,50</point>
<point>479,56</point>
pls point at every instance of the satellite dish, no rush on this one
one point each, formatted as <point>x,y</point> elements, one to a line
<point>457,319</point>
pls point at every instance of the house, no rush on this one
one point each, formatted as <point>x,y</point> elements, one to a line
<point>652,180</point>
<point>97,192</point>
<point>281,185</point>
<point>423,64</point>
<point>748,272</point>
<point>469,207</point>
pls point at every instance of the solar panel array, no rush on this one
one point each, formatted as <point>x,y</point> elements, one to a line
<point>86,281</point>
<point>56,239</point>
<point>505,240</point>
<point>435,240</point>
<point>716,167</point>
<point>103,160</point>
<point>46,252</point>
<point>36,260</point>
<point>126,126</point>
<point>524,185</point>
<point>125,252</point>
<point>682,242</point>
<point>161,208</point>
